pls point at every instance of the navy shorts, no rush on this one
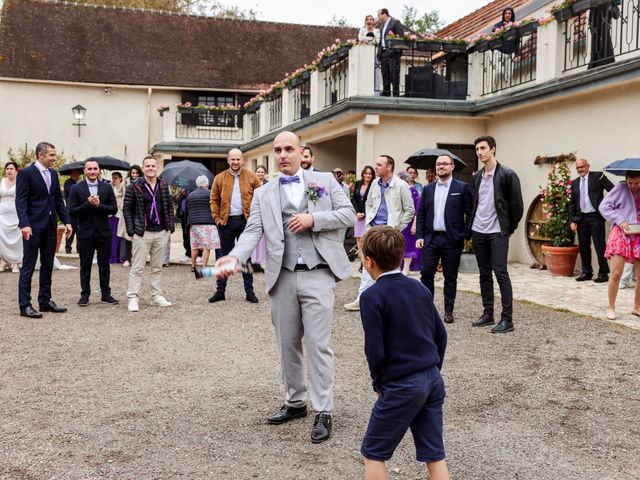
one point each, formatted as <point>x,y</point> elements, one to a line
<point>415,402</point>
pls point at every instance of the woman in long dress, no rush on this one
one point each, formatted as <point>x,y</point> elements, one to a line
<point>10,234</point>
<point>412,255</point>
<point>118,189</point>
<point>259,255</point>
<point>125,245</point>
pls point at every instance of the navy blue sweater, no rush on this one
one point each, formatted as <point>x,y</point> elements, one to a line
<point>403,332</point>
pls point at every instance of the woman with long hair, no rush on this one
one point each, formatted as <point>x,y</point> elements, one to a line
<point>359,200</point>
<point>10,234</point>
<point>125,246</point>
<point>412,256</point>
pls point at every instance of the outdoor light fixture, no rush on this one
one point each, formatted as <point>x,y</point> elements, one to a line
<point>78,114</point>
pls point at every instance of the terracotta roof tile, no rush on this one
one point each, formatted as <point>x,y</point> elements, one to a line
<point>482,18</point>
<point>50,40</point>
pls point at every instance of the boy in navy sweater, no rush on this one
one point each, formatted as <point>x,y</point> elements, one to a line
<point>404,346</point>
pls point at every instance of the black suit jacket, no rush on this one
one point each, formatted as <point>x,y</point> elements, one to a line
<point>35,206</point>
<point>92,221</point>
<point>598,183</point>
<point>394,27</point>
<point>457,211</point>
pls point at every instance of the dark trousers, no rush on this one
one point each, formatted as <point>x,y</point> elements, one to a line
<point>492,250</point>
<point>592,227</point>
<point>186,240</point>
<point>125,250</point>
<point>440,249</point>
<point>69,241</point>
<point>390,67</point>
<point>43,241</point>
<point>229,233</point>
<point>86,249</point>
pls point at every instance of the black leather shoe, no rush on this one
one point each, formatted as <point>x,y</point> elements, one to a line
<point>257,268</point>
<point>602,278</point>
<point>584,277</point>
<point>485,319</point>
<point>321,428</point>
<point>52,307</point>
<point>67,249</point>
<point>287,413</point>
<point>30,312</point>
<point>448,317</point>
<point>109,299</point>
<point>217,297</point>
<point>251,297</point>
<point>83,302</point>
<point>503,327</point>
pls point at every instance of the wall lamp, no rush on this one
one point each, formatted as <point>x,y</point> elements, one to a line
<point>78,115</point>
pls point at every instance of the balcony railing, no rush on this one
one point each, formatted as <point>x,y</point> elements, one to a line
<point>275,111</point>
<point>509,63</point>
<point>597,36</point>
<point>254,124</point>
<point>203,124</point>
<point>301,99</point>
<point>336,82</point>
<point>427,70</point>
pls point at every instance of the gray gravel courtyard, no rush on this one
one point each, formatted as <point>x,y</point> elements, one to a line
<point>183,392</point>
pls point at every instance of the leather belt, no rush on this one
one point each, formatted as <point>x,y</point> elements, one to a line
<point>236,217</point>
<point>301,267</point>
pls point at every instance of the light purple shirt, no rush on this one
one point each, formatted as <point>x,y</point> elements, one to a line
<point>486,219</point>
<point>46,175</point>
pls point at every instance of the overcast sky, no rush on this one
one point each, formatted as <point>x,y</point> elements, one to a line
<point>320,12</point>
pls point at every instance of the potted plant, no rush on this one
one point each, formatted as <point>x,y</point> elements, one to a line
<point>562,11</point>
<point>561,255</point>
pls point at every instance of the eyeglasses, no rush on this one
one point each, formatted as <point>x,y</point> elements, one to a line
<point>440,164</point>
<point>338,173</point>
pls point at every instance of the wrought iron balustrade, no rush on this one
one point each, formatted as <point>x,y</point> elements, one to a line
<point>598,35</point>
<point>254,124</point>
<point>204,124</point>
<point>336,82</point>
<point>274,106</point>
<point>510,64</point>
<point>302,100</point>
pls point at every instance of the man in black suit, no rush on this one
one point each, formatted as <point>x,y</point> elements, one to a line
<point>91,202</point>
<point>441,230</point>
<point>74,176</point>
<point>587,192</point>
<point>389,57</point>
<point>38,199</point>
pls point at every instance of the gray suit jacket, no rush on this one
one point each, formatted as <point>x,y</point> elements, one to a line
<point>332,215</point>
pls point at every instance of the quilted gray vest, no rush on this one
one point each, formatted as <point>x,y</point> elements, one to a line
<point>297,244</point>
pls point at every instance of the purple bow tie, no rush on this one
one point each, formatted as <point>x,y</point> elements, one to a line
<point>287,181</point>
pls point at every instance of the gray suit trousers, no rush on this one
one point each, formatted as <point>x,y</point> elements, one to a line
<point>302,307</point>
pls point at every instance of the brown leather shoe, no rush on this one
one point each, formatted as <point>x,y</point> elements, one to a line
<point>448,317</point>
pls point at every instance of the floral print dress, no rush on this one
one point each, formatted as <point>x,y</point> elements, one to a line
<point>619,243</point>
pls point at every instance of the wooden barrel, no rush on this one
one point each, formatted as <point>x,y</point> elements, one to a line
<point>536,218</point>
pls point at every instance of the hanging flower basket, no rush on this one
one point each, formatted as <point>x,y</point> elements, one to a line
<point>429,46</point>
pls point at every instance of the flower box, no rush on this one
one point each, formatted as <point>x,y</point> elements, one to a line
<point>254,108</point>
<point>495,43</point>
<point>295,82</point>
<point>510,35</point>
<point>564,14</point>
<point>275,93</point>
<point>429,46</point>
<point>306,75</point>
<point>528,28</point>
<point>580,6</point>
<point>343,52</point>
<point>454,47</point>
<point>399,43</point>
<point>325,63</point>
<point>481,47</point>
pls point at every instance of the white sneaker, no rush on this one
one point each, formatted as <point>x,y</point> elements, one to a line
<point>199,261</point>
<point>185,259</point>
<point>353,306</point>
<point>133,305</point>
<point>126,263</point>
<point>160,301</point>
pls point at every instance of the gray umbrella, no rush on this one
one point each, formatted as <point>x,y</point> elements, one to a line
<point>183,173</point>
<point>425,159</point>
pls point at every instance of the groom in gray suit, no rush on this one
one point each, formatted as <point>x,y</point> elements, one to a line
<point>303,217</point>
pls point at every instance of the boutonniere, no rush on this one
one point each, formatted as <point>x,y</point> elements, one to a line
<point>315,191</point>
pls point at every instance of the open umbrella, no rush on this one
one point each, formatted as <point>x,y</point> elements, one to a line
<point>70,167</point>
<point>425,159</point>
<point>183,173</point>
<point>110,163</point>
<point>621,167</point>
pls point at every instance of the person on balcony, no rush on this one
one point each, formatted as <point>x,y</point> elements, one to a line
<point>600,19</point>
<point>369,33</point>
<point>587,192</point>
<point>389,57</point>
<point>504,62</point>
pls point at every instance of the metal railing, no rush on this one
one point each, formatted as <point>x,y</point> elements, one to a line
<point>302,100</point>
<point>254,124</point>
<point>510,64</point>
<point>275,112</point>
<point>597,36</point>
<point>336,82</point>
<point>425,74</point>
<point>199,124</point>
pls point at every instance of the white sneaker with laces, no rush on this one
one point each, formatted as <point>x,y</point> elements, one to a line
<point>160,301</point>
<point>133,305</point>
<point>185,259</point>
<point>353,306</point>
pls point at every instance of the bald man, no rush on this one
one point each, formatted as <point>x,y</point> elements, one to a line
<point>303,217</point>
<point>230,200</point>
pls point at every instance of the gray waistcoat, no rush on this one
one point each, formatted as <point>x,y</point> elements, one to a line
<point>297,244</point>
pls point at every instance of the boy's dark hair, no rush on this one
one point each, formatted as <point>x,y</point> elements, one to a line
<point>486,138</point>
<point>385,245</point>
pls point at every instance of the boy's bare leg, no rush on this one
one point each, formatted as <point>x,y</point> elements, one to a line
<point>437,470</point>
<point>375,470</point>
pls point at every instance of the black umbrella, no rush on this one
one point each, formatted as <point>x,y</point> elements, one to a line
<point>425,159</point>
<point>183,174</point>
<point>110,163</point>
<point>70,167</point>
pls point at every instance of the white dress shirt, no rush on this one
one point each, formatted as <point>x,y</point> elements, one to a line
<point>93,187</point>
<point>294,191</point>
<point>439,202</point>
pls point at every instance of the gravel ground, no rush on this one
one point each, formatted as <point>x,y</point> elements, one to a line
<point>183,392</point>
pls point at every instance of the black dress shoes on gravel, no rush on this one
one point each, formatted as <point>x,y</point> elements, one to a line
<point>485,319</point>
<point>83,302</point>
<point>30,312</point>
<point>52,307</point>
<point>321,428</point>
<point>584,277</point>
<point>216,297</point>
<point>251,297</point>
<point>286,414</point>
<point>503,327</point>
<point>602,278</point>
<point>448,317</point>
<point>109,300</point>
